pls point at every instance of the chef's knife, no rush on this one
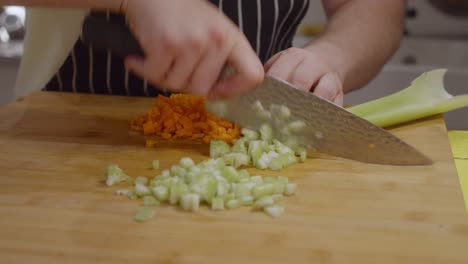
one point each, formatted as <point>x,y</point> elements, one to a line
<point>328,129</point>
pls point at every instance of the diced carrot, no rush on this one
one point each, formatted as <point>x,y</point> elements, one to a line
<point>183,116</point>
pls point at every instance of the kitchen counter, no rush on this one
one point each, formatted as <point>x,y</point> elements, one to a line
<point>459,143</point>
<point>54,148</point>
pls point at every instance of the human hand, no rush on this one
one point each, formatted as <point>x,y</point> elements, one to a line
<point>186,45</point>
<point>309,69</point>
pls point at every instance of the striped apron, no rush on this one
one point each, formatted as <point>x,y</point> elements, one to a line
<point>269,26</point>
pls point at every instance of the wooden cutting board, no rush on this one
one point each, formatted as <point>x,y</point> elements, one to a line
<point>54,207</point>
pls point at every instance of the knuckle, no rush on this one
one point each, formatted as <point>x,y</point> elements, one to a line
<point>170,43</point>
<point>294,51</point>
<point>174,85</point>
<point>195,42</point>
<point>216,35</point>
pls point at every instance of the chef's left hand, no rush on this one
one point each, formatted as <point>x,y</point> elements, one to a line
<point>308,69</point>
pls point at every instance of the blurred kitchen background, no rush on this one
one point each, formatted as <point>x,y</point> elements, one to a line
<point>436,36</point>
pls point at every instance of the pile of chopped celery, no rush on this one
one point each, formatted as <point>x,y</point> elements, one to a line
<point>210,182</point>
<point>257,150</point>
<point>260,149</point>
<point>222,182</point>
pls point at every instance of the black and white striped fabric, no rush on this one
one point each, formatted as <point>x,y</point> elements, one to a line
<point>269,25</point>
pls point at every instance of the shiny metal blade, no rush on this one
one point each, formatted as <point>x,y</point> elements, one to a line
<point>330,129</point>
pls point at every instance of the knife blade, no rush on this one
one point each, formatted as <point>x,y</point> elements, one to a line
<point>327,127</point>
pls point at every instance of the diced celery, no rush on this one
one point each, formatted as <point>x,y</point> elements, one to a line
<point>190,201</point>
<point>257,179</point>
<point>242,190</point>
<point>141,180</point>
<point>230,173</point>
<point>239,146</point>
<point>217,203</point>
<point>243,174</point>
<point>283,179</point>
<point>197,188</point>
<point>274,211</point>
<point>161,193</point>
<point>232,204</point>
<point>186,163</point>
<point>274,109</point>
<point>166,173</point>
<point>144,214</point>
<point>219,164</point>
<point>296,126</point>
<point>116,175</point>
<point>142,190</point>
<point>191,177</point>
<point>228,196</point>
<point>155,164</point>
<point>261,112</point>
<point>150,201</point>
<point>176,192</point>
<point>241,159</point>
<point>265,160</point>
<point>277,197</point>
<point>244,180</point>
<point>211,189</point>
<point>250,185</point>
<point>127,192</point>
<point>246,200</point>
<point>281,161</point>
<point>280,187</point>
<point>267,147</point>
<point>263,190</point>
<point>195,202</point>
<point>233,187</point>
<point>167,182</point>
<point>281,148</point>
<point>218,148</point>
<point>269,179</point>
<point>156,181</point>
<point>217,181</point>
<point>263,202</point>
<point>236,159</point>
<point>266,132</point>
<point>290,189</point>
<point>284,112</point>
<point>257,106</point>
<point>222,188</point>
<point>123,192</point>
<point>178,171</point>
<point>302,153</point>
<point>255,151</point>
<point>250,134</point>
<point>174,180</point>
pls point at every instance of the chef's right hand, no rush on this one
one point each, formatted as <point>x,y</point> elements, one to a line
<point>186,44</point>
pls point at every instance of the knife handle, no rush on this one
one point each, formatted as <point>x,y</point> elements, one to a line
<point>101,33</point>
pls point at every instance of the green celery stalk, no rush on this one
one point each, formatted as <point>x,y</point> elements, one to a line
<point>426,96</point>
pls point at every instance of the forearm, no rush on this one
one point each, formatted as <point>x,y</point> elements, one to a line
<point>113,5</point>
<point>360,37</point>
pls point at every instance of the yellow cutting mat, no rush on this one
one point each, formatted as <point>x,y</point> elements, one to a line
<point>459,141</point>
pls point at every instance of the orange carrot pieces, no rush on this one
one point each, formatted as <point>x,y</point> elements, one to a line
<point>183,116</point>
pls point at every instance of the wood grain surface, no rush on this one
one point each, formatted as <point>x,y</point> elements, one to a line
<point>54,207</point>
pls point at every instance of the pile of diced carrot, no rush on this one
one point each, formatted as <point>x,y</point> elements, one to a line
<point>183,116</point>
